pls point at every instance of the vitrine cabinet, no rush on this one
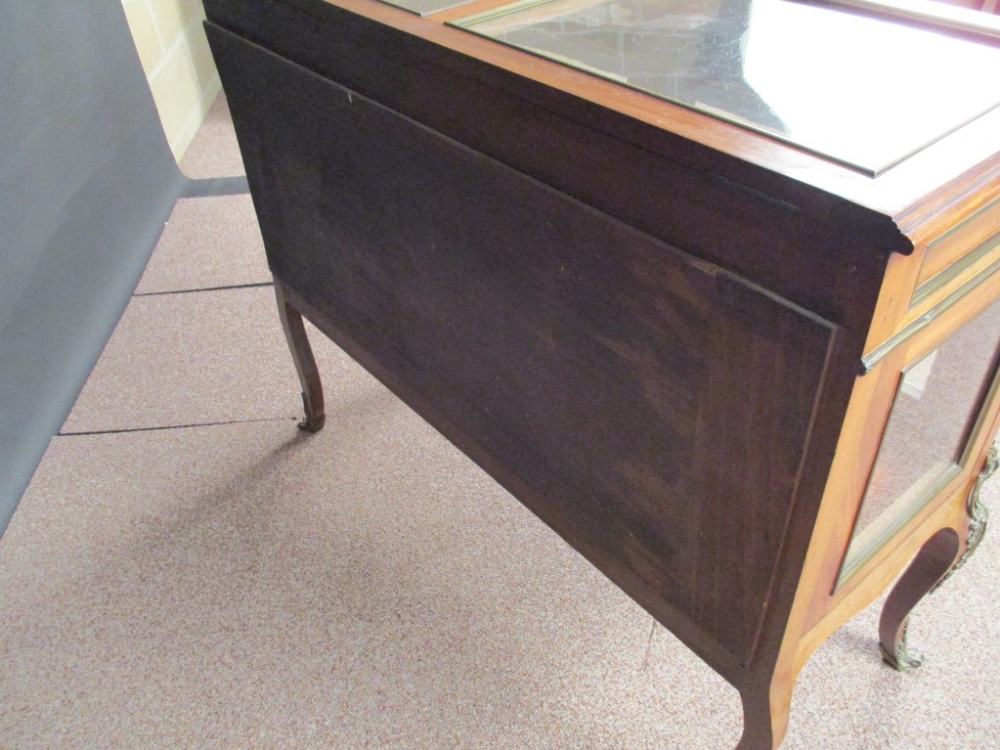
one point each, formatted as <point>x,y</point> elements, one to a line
<point>741,356</point>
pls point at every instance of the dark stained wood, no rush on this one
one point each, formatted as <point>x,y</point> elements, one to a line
<point>589,361</point>
<point>763,728</point>
<point>305,363</point>
<point>606,160</point>
<point>644,323</point>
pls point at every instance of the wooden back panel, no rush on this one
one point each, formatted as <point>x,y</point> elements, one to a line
<point>618,387</point>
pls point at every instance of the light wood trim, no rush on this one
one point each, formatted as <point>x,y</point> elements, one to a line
<point>955,241</point>
<point>893,311</point>
<point>966,271</point>
<point>857,447</point>
<point>894,300</point>
<point>978,274</point>
<point>949,514</point>
<point>976,299</point>
<point>814,617</point>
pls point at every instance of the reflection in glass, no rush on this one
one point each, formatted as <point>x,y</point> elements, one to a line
<point>861,90</point>
<point>936,404</point>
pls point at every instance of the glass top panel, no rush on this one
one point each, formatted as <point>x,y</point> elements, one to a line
<point>426,7</point>
<point>861,90</point>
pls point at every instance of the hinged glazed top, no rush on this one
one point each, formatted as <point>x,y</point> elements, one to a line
<point>861,90</point>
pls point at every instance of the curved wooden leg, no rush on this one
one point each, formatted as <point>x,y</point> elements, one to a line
<point>765,714</point>
<point>305,363</point>
<point>934,564</point>
<point>929,567</point>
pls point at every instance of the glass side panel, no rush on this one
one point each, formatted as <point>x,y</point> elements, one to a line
<point>937,402</point>
<point>861,90</point>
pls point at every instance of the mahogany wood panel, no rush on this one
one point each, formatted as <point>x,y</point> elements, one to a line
<point>618,386</point>
<point>809,246</point>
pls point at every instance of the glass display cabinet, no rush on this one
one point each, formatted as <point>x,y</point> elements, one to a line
<point>713,288</point>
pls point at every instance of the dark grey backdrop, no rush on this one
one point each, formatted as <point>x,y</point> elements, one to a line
<point>86,182</point>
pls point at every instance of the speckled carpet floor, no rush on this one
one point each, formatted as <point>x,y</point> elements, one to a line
<point>187,570</point>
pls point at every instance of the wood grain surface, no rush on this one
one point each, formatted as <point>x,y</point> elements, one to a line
<point>618,386</point>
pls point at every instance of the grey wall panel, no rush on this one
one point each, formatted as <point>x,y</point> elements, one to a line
<point>86,182</point>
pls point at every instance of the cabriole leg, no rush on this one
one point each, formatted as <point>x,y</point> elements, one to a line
<point>928,568</point>
<point>305,363</point>
<point>765,714</point>
<point>933,565</point>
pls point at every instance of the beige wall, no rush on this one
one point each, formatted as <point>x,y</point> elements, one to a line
<point>178,64</point>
